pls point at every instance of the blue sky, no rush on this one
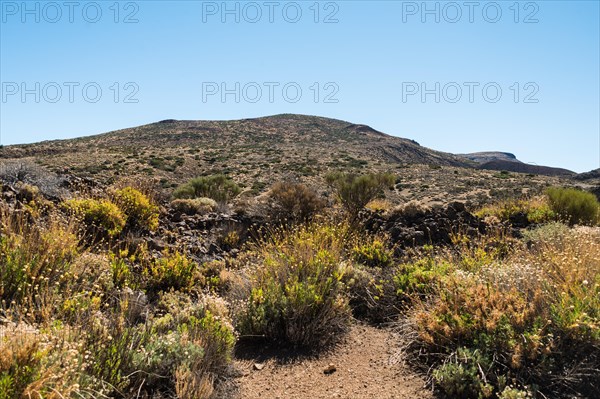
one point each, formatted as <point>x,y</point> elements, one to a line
<point>521,77</point>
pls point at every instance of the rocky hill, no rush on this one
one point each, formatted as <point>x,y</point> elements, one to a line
<point>284,143</point>
<point>587,176</point>
<point>495,160</point>
<point>487,156</point>
<point>258,152</point>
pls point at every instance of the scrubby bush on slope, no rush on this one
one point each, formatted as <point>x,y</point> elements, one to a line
<point>218,187</point>
<point>294,202</point>
<point>575,206</point>
<point>140,211</point>
<point>356,191</point>
<point>101,214</point>
<point>530,318</point>
<point>298,295</point>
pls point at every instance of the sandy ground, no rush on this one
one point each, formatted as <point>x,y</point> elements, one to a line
<point>360,367</point>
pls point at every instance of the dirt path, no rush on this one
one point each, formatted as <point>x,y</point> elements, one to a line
<point>363,370</point>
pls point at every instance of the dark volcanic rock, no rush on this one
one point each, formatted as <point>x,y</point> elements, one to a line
<point>596,192</point>
<point>426,227</point>
<point>591,175</point>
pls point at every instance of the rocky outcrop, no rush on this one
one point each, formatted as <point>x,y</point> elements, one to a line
<point>426,226</point>
<point>591,175</point>
<point>204,237</point>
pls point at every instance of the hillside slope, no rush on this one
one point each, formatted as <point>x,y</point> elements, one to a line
<point>296,144</point>
<point>495,160</point>
<point>258,152</point>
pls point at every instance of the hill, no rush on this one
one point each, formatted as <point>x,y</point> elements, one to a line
<point>293,142</point>
<point>258,152</point>
<point>495,160</point>
<point>487,156</point>
<point>587,176</point>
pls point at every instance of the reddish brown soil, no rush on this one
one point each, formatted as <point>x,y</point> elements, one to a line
<point>363,369</point>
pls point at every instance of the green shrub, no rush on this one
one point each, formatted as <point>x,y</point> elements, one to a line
<point>112,347</point>
<point>534,210</point>
<point>171,271</point>
<point>33,365</point>
<point>101,214</point>
<point>298,296</point>
<point>356,191</point>
<point>193,206</point>
<point>531,317</point>
<point>416,280</point>
<point>218,187</point>
<point>139,210</point>
<point>120,268</point>
<point>35,264</point>
<point>185,191</point>
<point>294,202</point>
<point>576,206</point>
<point>461,377</point>
<point>164,353</point>
<point>373,253</point>
<point>511,392</point>
<point>192,343</point>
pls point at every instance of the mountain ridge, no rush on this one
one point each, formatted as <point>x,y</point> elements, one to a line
<point>497,160</point>
<point>326,143</point>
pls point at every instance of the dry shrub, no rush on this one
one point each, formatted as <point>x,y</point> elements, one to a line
<point>141,212</point>
<point>298,297</point>
<point>521,211</point>
<point>37,365</point>
<point>194,206</point>
<point>36,262</point>
<point>294,202</point>
<point>88,287</point>
<point>379,205</point>
<point>193,384</point>
<point>529,315</point>
<point>411,209</point>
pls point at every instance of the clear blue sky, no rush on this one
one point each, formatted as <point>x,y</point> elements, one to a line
<point>368,62</point>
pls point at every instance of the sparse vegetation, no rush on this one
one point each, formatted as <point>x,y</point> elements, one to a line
<point>294,202</point>
<point>77,334</point>
<point>356,191</point>
<point>101,214</point>
<point>125,290</point>
<point>297,297</point>
<point>218,187</point>
<point>141,212</point>
<point>194,206</point>
<point>575,206</point>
